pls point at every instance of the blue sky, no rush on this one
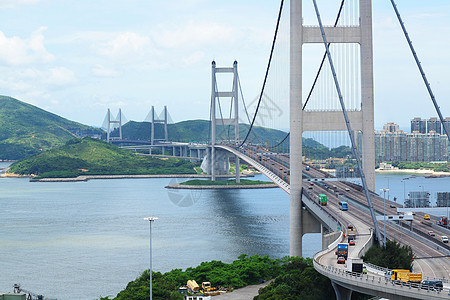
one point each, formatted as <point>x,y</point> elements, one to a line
<point>79,58</point>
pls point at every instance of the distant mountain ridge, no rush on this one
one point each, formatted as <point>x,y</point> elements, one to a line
<point>26,130</point>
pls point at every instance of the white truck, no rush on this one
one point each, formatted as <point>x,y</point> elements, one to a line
<point>355,265</point>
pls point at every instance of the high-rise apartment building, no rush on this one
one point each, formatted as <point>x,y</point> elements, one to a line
<point>391,127</point>
<point>415,146</point>
<point>417,124</point>
<point>446,123</point>
<point>434,124</point>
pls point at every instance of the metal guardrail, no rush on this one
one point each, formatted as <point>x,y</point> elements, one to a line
<point>317,209</point>
<point>382,285</point>
<point>367,245</point>
<point>376,283</point>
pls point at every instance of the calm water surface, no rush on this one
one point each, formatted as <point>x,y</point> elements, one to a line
<point>84,240</point>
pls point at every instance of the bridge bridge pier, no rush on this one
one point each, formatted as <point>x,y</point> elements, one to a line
<point>342,293</point>
<point>221,163</point>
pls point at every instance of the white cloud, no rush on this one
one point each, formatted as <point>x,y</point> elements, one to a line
<point>101,71</point>
<point>193,35</point>
<point>59,76</point>
<point>193,58</point>
<point>17,51</point>
<point>16,3</point>
<point>124,46</point>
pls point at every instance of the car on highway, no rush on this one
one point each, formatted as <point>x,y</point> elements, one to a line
<point>435,285</point>
<point>392,206</point>
<point>350,226</point>
<point>444,239</point>
<point>347,189</point>
<point>351,242</point>
<point>341,260</point>
<point>426,217</point>
<point>431,233</point>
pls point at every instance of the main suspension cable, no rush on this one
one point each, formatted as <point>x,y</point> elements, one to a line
<point>267,73</point>
<point>424,77</point>
<point>347,123</point>
<point>318,73</point>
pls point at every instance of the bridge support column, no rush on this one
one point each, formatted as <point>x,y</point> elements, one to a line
<point>342,293</point>
<point>296,129</point>
<point>219,166</point>
<point>163,150</point>
<point>238,169</point>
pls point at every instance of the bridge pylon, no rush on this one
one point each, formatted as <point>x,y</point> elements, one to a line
<point>300,120</point>
<point>164,121</point>
<point>215,121</point>
<point>113,121</point>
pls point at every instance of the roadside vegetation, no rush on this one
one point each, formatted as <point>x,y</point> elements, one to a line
<point>392,256</point>
<point>89,156</point>
<point>437,167</point>
<point>224,182</point>
<point>294,278</point>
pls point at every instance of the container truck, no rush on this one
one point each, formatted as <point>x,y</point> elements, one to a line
<point>355,265</point>
<point>342,250</point>
<point>404,275</point>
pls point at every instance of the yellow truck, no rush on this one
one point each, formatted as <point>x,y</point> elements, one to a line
<point>193,286</point>
<point>404,275</point>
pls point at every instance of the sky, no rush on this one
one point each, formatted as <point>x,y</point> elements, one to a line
<point>79,58</point>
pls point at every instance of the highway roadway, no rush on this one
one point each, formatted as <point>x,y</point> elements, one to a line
<point>429,252</point>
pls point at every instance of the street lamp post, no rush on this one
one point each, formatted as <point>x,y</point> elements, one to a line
<point>404,194</point>
<point>150,220</point>
<point>384,214</point>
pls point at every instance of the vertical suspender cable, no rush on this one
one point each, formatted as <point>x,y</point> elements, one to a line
<point>438,110</point>
<point>347,123</point>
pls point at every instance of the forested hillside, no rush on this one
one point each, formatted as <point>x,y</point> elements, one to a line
<point>26,130</point>
<point>89,156</point>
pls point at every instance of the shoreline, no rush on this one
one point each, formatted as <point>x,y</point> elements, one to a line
<point>415,171</point>
<point>423,172</point>
<point>212,187</point>
<point>89,177</point>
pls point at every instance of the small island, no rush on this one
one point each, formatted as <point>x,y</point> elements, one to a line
<point>87,158</point>
<point>222,184</point>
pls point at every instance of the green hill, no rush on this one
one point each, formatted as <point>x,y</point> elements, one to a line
<point>198,130</point>
<point>89,156</point>
<point>26,130</point>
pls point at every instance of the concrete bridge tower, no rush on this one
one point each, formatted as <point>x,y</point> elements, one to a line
<point>300,121</point>
<point>113,121</point>
<point>218,161</point>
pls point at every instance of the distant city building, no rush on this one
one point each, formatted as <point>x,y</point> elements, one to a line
<point>417,124</point>
<point>391,127</point>
<point>443,199</point>
<point>446,123</point>
<point>433,124</point>
<point>415,146</point>
<point>418,199</point>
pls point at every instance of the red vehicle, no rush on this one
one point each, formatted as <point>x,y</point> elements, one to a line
<point>431,233</point>
<point>341,260</point>
<point>443,221</point>
<point>351,242</point>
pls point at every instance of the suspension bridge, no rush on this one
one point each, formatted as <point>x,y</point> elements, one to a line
<point>340,102</point>
<point>338,108</point>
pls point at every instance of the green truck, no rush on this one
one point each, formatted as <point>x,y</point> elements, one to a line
<point>322,199</point>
